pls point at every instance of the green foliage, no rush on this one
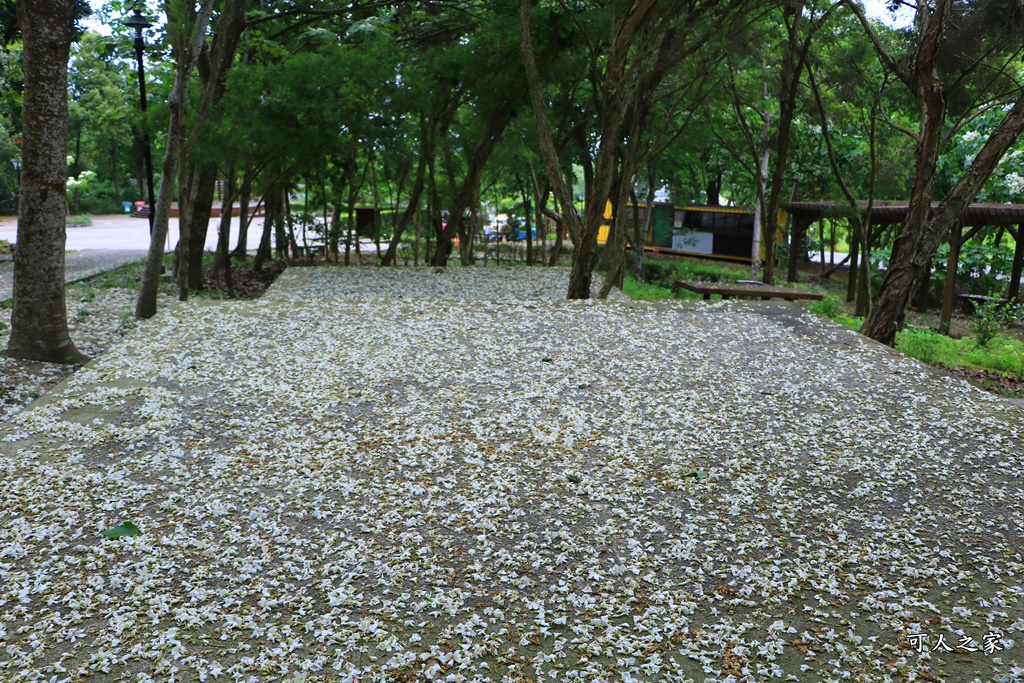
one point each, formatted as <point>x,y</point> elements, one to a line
<point>925,345</point>
<point>982,267</point>
<point>1000,354</point>
<point>831,307</point>
<point>665,273</point>
<point>644,291</point>
<point>990,318</point>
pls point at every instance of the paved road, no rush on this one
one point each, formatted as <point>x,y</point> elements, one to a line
<point>125,232</point>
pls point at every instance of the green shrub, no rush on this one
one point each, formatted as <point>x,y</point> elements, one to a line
<point>665,273</point>
<point>645,291</point>
<point>830,307</point>
<point>991,318</point>
<point>851,322</point>
<point>925,345</point>
<point>981,268</point>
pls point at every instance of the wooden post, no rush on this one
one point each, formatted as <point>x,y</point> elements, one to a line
<point>1018,262</point>
<point>851,283</point>
<point>949,294</point>
<point>797,233</point>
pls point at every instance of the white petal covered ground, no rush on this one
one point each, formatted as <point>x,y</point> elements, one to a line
<point>346,481</point>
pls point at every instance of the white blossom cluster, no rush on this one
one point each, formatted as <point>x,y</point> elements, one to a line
<point>390,475</point>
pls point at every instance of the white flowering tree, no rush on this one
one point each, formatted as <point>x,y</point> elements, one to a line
<point>1005,185</point>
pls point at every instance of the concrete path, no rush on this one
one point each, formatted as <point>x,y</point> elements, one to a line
<point>78,265</point>
<point>405,475</point>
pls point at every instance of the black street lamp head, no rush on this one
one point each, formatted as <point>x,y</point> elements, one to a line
<point>139,23</point>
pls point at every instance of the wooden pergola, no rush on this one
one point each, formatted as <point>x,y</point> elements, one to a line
<point>978,216</point>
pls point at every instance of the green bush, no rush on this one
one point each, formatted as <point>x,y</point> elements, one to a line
<point>981,268</point>
<point>830,307</point>
<point>925,345</point>
<point>98,198</point>
<point>665,273</point>
<point>991,318</point>
<point>645,291</point>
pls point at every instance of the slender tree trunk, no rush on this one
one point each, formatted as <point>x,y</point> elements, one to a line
<point>187,52</point>
<point>552,164</point>
<point>39,328</point>
<point>792,66</point>
<point>198,183</point>
<point>495,125</point>
<point>641,238</point>
<point>854,270</point>
<point>115,176</point>
<point>243,219</point>
<point>335,227</point>
<point>272,200</point>
<point>224,229</point>
<point>203,183</point>
<point>714,188</point>
<point>184,222</point>
<point>759,210</point>
<point>145,306</point>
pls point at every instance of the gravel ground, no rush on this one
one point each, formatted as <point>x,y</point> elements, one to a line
<point>338,483</point>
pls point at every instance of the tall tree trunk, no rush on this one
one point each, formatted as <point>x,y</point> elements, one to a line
<point>552,164</point>
<point>224,229</point>
<point>244,219</point>
<point>495,125</point>
<point>760,211</point>
<point>115,176</point>
<point>187,52</point>
<point>202,184</point>
<point>39,327</point>
<point>854,270</point>
<point>335,227</point>
<point>641,235</point>
<point>714,188</point>
<point>198,182</point>
<point>184,223</point>
<point>792,66</point>
<point>272,200</point>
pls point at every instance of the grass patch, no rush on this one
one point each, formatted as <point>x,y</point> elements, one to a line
<point>1001,354</point>
<point>127,276</point>
<point>645,291</point>
<point>659,277</point>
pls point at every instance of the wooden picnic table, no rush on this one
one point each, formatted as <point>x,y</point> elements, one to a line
<point>726,290</point>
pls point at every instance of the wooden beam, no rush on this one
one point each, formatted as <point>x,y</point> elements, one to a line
<point>949,294</point>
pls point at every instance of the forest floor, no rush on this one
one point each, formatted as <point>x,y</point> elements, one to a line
<point>402,474</point>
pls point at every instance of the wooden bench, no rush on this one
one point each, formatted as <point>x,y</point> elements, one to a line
<point>727,290</point>
<point>969,302</point>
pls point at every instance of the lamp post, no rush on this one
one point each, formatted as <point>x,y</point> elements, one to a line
<point>139,23</point>
<point>17,168</point>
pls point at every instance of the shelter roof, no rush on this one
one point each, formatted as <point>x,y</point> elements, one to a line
<point>886,213</point>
